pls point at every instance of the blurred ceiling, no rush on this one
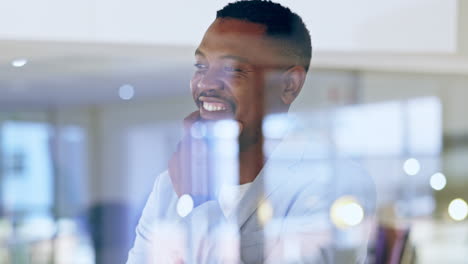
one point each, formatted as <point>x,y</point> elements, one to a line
<point>64,74</point>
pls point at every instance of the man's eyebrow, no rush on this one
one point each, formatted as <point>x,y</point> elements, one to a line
<point>237,58</point>
<point>228,57</point>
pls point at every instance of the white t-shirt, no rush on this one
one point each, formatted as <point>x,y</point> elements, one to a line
<point>230,196</point>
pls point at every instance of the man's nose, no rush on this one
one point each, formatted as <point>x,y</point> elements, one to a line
<point>210,82</point>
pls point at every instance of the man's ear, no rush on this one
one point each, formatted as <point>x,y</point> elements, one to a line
<point>293,80</point>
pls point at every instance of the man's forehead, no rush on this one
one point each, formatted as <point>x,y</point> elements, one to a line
<point>234,33</point>
<point>237,39</point>
<point>236,26</point>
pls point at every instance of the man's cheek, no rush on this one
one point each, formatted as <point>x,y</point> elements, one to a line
<point>193,89</point>
<point>194,81</point>
<point>192,84</point>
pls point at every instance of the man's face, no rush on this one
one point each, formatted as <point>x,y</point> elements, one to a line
<point>234,77</point>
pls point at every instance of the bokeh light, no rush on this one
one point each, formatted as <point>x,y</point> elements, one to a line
<point>412,167</point>
<point>265,212</point>
<point>438,181</point>
<point>346,212</point>
<point>19,62</point>
<point>184,205</point>
<point>126,92</point>
<point>458,209</point>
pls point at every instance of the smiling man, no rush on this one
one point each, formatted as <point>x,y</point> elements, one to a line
<point>238,196</point>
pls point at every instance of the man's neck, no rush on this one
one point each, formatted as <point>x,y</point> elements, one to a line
<point>251,161</point>
<point>252,157</point>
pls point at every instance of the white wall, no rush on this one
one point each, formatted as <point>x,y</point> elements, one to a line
<point>417,26</point>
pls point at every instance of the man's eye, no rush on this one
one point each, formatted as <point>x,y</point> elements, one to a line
<point>200,66</point>
<point>232,69</point>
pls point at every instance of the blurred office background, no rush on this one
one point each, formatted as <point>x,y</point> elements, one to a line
<point>92,94</point>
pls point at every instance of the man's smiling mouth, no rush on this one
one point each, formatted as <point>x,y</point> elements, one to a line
<point>215,107</point>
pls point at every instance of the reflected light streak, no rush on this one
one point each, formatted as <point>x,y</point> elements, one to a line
<point>198,130</point>
<point>169,243</point>
<point>292,250</point>
<point>275,126</point>
<point>346,212</point>
<point>226,129</point>
<point>229,244</point>
<point>458,209</point>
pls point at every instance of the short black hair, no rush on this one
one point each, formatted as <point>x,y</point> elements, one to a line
<point>281,23</point>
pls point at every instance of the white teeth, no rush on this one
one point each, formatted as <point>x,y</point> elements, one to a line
<point>213,107</point>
